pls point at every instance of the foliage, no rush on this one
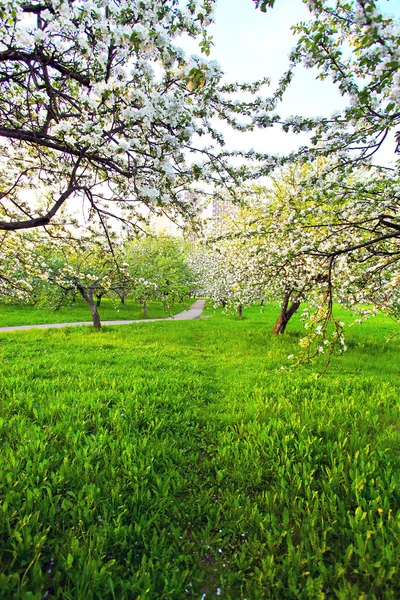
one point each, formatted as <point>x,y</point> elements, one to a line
<point>189,462</point>
<point>158,266</point>
<point>50,269</point>
<point>257,257</point>
<point>227,272</point>
<point>47,267</point>
<point>353,196</point>
<point>297,241</point>
<point>15,254</point>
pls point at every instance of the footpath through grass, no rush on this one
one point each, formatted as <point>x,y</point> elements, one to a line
<point>176,460</point>
<point>109,310</point>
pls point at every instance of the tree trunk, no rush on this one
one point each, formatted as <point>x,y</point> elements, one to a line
<point>240,311</point>
<point>144,309</point>
<point>122,298</point>
<point>281,323</point>
<point>98,301</point>
<point>87,294</point>
<point>285,315</point>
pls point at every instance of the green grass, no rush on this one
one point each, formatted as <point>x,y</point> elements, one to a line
<point>110,310</point>
<point>167,460</point>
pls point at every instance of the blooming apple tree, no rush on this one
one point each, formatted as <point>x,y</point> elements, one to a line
<point>301,242</point>
<point>351,232</point>
<point>258,257</point>
<point>357,46</point>
<point>336,247</point>
<point>228,269</point>
<point>98,103</point>
<point>50,267</point>
<point>354,195</point>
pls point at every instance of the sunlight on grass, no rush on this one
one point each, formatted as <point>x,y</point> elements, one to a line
<point>110,310</point>
<point>170,460</point>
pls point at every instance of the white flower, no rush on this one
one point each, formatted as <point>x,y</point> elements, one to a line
<point>140,30</point>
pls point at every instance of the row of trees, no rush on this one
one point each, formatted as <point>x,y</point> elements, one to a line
<point>55,269</point>
<point>287,242</point>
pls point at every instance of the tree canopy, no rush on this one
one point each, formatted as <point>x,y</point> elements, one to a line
<point>98,102</point>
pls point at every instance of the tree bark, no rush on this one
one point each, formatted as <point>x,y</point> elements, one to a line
<point>122,298</point>
<point>87,294</point>
<point>98,301</point>
<point>145,312</point>
<point>285,315</point>
<point>240,311</point>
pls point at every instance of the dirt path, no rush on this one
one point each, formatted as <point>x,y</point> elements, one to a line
<point>194,312</point>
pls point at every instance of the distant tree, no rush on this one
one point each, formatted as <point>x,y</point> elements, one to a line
<point>227,268</point>
<point>15,262</point>
<point>38,268</point>
<point>159,268</point>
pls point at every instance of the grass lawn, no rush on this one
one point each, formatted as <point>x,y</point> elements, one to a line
<point>109,310</point>
<point>178,461</point>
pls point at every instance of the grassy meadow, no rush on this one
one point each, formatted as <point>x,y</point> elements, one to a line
<point>109,310</point>
<point>178,461</point>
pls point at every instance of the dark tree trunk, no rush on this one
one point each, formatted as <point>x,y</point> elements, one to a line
<point>99,297</point>
<point>87,294</point>
<point>281,323</point>
<point>285,315</point>
<point>122,297</point>
<point>145,312</point>
<point>240,311</point>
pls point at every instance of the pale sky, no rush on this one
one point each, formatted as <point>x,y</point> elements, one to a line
<point>250,45</point>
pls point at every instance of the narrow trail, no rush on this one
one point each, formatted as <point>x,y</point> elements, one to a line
<point>194,312</point>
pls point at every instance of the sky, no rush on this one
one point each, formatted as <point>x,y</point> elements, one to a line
<point>250,44</point>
